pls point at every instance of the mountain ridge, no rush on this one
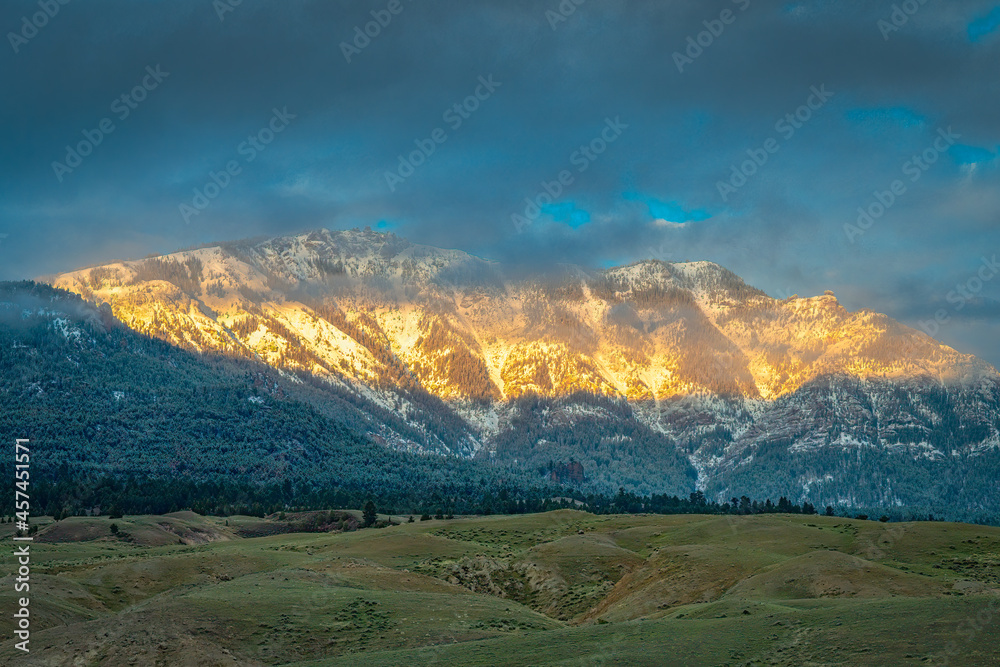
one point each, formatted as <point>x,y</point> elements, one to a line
<point>717,369</point>
<point>290,273</point>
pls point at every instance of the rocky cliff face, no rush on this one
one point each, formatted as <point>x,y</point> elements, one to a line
<point>687,352</point>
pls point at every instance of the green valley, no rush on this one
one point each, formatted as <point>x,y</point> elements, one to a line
<point>562,587</point>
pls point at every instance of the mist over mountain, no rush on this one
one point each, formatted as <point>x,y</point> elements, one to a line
<point>654,376</point>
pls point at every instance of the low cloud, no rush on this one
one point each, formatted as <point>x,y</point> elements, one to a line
<point>652,193</point>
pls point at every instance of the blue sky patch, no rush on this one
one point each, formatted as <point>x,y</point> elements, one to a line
<point>984,26</point>
<point>567,213</point>
<point>671,211</point>
<point>967,155</point>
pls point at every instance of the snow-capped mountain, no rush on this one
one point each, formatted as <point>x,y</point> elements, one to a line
<point>688,353</point>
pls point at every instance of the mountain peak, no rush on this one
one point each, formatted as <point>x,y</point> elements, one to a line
<point>369,307</point>
<point>706,281</point>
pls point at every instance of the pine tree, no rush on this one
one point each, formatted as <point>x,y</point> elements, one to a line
<point>370,514</point>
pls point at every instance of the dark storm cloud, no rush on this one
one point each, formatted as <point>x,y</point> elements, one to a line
<point>556,82</point>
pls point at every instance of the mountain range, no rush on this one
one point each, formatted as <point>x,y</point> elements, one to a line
<point>655,377</point>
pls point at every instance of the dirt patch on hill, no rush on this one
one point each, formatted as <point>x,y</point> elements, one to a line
<point>76,529</point>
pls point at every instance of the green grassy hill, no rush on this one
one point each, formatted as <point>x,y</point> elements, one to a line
<point>566,588</point>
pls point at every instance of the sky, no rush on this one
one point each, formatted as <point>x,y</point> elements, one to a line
<point>806,146</point>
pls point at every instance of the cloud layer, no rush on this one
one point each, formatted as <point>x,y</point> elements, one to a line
<point>533,132</point>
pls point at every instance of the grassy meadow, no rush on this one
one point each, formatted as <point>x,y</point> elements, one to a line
<point>561,588</point>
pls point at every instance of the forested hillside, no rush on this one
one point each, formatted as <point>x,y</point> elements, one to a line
<point>657,377</point>
<point>98,401</point>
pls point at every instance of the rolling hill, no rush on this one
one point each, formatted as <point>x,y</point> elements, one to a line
<point>548,589</point>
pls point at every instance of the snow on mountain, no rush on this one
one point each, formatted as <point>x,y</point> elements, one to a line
<point>713,363</point>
